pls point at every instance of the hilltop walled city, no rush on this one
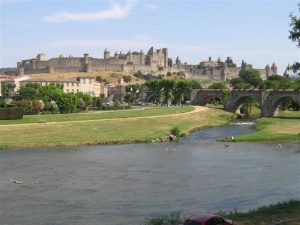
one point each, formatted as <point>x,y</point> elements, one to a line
<point>153,63</point>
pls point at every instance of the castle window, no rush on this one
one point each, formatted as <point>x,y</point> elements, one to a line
<point>72,84</point>
<point>90,80</point>
<point>67,84</point>
<point>77,84</point>
<point>72,90</point>
<point>83,81</point>
<point>67,90</point>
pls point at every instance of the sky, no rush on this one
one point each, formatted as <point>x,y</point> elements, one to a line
<point>193,30</point>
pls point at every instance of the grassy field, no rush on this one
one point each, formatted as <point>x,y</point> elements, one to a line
<point>107,128</point>
<point>286,126</point>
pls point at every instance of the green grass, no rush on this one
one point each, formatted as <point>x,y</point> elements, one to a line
<point>115,128</point>
<point>286,126</point>
<point>287,212</point>
<point>99,115</point>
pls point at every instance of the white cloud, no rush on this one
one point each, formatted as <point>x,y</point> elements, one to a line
<point>116,12</point>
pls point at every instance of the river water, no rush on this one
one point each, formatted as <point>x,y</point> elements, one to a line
<point>124,184</point>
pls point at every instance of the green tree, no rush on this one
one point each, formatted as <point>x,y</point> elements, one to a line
<point>218,85</point>
<point>127,79</point>
<point>181,88</point>
<point>7,89</point>
<point>67,103</point>
<point>195,84</point>
<point>50,92</point>
<point>29,91</point>
<point>156,87</point>
<point>84,101</point>
<point>237,80</point>
<point>268,84</point>
<point>295,37</point>
<point>251,76</point>
<point>168,89</point>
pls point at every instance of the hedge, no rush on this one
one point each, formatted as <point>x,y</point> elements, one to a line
<point>11,113</point>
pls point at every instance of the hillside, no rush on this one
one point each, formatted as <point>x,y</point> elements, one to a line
<point>110,76</point>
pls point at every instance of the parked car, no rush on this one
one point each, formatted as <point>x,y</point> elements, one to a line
<point>207,219</point>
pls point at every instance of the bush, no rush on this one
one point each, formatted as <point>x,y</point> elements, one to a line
<point>175,131</point>
<point>11,113</point>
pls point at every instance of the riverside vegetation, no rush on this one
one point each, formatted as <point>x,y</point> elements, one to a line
<point>134,126</point>
<point>282,213</point>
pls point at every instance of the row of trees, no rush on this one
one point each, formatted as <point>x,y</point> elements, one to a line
<point>50,98</point>
<point>168,89</point>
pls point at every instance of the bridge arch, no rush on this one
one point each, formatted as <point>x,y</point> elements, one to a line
<point>275,99</point>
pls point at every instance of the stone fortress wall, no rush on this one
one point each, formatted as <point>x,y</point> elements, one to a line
<point>215,71</point>
<point>155,62</point>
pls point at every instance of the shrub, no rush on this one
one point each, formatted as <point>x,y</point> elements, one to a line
<point>11,113</point>
<point>175,131</point>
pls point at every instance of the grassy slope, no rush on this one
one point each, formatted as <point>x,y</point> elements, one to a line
<point>284,127</point>
<point>107,131</point>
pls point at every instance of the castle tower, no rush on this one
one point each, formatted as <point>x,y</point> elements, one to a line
<point>41,57</point>
<point>267,68</point>
<point>21,71</point>
<point>274,68</point>
<point>116,55</point>
<point>178,63</point>
<point>244,65</point>
<point>106,54</point>
<point>86,58</point>
<point>142,62</point>
<point>224,72</point>
<point>165,51</point>
<point>129,56</point>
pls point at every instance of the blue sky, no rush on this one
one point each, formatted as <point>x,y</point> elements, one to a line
<point>254,31</point>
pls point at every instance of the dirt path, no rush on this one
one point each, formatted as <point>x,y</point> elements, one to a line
<point>197,109</point>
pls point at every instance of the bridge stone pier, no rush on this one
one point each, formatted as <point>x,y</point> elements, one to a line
<point>202,97</point>
<point>269,100</point>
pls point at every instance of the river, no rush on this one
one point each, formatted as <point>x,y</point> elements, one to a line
<point>124,184</point>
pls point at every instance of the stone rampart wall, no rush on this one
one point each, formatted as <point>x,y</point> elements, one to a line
<point>35,71</point>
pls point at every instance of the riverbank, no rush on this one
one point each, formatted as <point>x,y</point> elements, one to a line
<point>276,214</point>
<point>134,126</point>
<point>282,128</point>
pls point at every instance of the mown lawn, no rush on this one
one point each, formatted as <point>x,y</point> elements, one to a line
<point>131,128</point>
<point>99,115</point>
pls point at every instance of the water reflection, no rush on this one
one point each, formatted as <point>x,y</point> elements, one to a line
<point>123,184</point>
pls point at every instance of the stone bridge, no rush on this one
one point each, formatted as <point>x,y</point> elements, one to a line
<point>269,100</point>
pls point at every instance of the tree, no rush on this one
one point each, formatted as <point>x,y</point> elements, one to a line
<point>67,103</point>
<point>218,85</point>
<point>268,84</point>
<point>29,91</point>
<point>50,92</point>
<point>168,88</point>
<point>181,88</point>
<point>127,79</point>
<point>156,87</point>
<point>251,76</point>
<point>84,100</point>
<point>7,89</point>
<point>195,84</point>
<point>295,37</point>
